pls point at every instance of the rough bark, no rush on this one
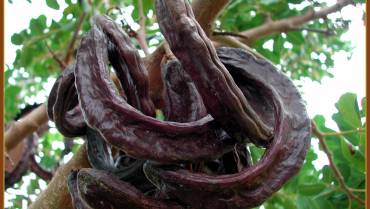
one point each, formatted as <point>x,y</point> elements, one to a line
<point>56,195</point>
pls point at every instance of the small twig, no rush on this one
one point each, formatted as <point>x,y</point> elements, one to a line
<point>360,130</point>
<point>141,36</point>
<point>337,174</point>
<point>357,190</point>
<point>327,32</point>
<point>71,44</point>
<point>62,65</point>
<point>218,33</point>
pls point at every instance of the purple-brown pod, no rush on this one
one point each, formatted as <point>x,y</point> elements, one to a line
<point>182,102</point>
<point>127,128</point>
<point>281,160</point>
<point>67,114</point>
<point>96,189</point>
<point>222,97</point>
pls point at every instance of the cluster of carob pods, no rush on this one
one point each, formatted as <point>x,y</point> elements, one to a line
<point>216,103</point>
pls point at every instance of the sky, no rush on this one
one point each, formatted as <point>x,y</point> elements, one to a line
<point>320,97</point>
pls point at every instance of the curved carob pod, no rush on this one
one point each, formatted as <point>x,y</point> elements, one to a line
<point>182,102</point>
<point>128,65</point>
<point>220,94</point>
<point>77,199</point>
<point>281,160</point>
<point>125,127</point>
<point>38,170</point>
<point>94,189</point>
<point>67,114</point>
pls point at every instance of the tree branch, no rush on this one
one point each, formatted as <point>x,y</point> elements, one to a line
<point>219,33</point>
<point>28,124</point>
<point>290,23</point>
<point>229,41</point>
<point>71,44</point>
<point>61,64</point>
<point>141,36</point>
<point>56,195</point>
<point>337,174</point>
<point>341,133</point>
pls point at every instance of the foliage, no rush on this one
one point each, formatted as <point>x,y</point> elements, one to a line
<point>317,187</point>
<point>299,53</point>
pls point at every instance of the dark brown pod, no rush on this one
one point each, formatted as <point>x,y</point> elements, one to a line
<point>96,189</point>
<point>220,94</point>
<point>282,158</point>
<point>67,114</point>
<point>125,127</point>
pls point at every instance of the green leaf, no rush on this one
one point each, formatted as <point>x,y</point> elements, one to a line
<point>348,116</point>
<point>306,203</point>
<point>53,4</point>
<point>295,38</point>
<point>311,189</point>
<point>363,107</point>
<point>295,1</point>
<point>17,39</point>
<point>327,174</point>
<point>38,25</point>
<point>349,110</point>
<point>278,44</point>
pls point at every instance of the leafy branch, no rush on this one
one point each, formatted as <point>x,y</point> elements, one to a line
<point>338,176</point>
<point>291,23</point>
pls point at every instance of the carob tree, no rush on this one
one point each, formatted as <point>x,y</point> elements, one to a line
<point>216,103</point>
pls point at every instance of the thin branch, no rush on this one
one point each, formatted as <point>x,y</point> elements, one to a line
<point>206,12</point>
<point>71,44</point>
<point>327,32</point>
<point>357,190</point>
<point>291,23</point>
<point>219,33</point>
<point>61,64</point>
<point>337,174</point>
<point>141,36</point>
<point>341,133</point>
<point>219,41</point>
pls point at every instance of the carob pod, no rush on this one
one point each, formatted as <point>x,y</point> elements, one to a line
<point>182,102</point>
<point>77,199</point>
<point>281,160</point>
<point>63,106</point>
<point>94,189</point>
<point>220,94</point>
<point>39,170</point>
<point>99,154</point>
<point>128,65</point>
<point>125,127</point>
